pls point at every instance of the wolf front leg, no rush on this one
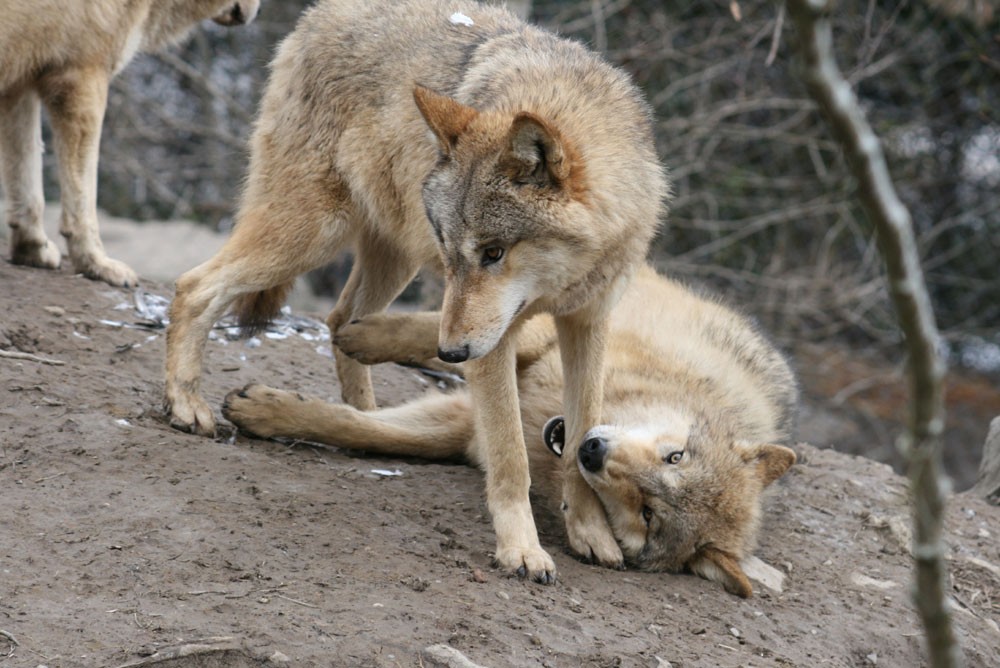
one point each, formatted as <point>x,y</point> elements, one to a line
<point>582,342</point>
<point>493,383</point>
<point>76,99</point>
<point>21,177</point>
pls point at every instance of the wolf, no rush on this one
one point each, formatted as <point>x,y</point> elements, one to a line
<point>63,53</point>
<point>696,404</point>
<point>447,135</point>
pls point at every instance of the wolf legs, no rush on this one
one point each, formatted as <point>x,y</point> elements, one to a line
<point>582,344</point>
<point>21,177</point>
<point>380,272</point>
<point>76,100</point>
<point>493,384</point>
<point>254,259</point>
<point>438,426</point>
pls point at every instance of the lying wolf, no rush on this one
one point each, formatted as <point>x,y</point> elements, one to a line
<point>448,134</point>
<point>63,53</point>
<point>695,400</point>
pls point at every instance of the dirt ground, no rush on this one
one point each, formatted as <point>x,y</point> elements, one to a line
<point>124,542</point>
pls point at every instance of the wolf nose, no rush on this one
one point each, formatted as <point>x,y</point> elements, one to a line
<point>592,454</point>
<point>454,356</point>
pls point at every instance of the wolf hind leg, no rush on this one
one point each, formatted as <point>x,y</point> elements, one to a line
<point>21,178</point>
<point>264,254</point>
<point>438,426</point>
<point>381,271</point>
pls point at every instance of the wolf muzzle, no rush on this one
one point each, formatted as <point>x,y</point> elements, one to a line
<point>454,356</point>
<point>592,454</point>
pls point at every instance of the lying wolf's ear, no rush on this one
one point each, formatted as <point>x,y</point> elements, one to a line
<point>771,461</point>
<point>720,566</point>
<point>536,153</point>
<point>447,117</point>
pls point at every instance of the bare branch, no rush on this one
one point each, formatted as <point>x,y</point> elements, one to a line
<point>909,295</point>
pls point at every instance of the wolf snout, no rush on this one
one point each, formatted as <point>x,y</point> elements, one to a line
<point>239,13</point>
<point>592,454</point>
<point>455,355</point>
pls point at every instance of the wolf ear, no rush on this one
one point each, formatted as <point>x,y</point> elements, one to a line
<point>536,153</point>
<point>720,566</point>
<point>446,117</point>
<point>771,461</point>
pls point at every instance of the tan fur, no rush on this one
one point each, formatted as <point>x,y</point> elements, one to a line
<point>63,53</point>
<point>684,375</point>
<point>423,141</point>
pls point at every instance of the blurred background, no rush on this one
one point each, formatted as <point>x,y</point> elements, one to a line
<point>763,213</point>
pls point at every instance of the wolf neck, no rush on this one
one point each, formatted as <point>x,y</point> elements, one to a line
<point>168,22</point>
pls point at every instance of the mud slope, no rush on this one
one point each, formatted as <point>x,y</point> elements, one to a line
<point>121,538</point>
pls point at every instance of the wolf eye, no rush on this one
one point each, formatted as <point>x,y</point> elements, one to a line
<point>674,457</point>
<point>491,255</point>
<point>647,514</point>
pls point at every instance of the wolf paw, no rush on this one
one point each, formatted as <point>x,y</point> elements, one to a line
<point>260,410</point>
<point>366,340</point>
<point>533,563</point>
<point>112,272</point>
<point>190,413</point>
<point>44,255</point>
<point>591,538</point>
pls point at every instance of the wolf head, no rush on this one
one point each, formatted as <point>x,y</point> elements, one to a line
<point>237,13</point>
<point>508,203</point>
<point>677,503</point>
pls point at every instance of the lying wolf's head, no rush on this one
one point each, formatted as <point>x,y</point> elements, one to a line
<point>682,502</point>
<point>510,202</point>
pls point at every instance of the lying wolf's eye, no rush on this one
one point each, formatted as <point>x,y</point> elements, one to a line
<point>491,255</point>
<point>647,514</point>
<point>674,457</point>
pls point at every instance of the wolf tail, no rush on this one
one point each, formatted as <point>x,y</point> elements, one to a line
<point>254,310</point>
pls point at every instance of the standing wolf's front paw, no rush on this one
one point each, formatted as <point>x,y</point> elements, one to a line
<point>107,270</point>
<point>589,533</point>
<point>43,254</point>
<point>527,562</point>
<point>189,412</point>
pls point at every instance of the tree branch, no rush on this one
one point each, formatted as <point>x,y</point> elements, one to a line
<point>894,228</point>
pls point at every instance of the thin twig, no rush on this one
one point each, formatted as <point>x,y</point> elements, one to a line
<point>776,38</point>
<point>914,313</point>
<point>18,355</point>
<point>293,600</point>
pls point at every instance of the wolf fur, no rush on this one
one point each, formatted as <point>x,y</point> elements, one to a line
<point>695,404</point>
<point>63,53</point>
<point>449,135</point>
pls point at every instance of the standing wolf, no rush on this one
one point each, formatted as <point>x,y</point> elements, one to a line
<point>695,402</point>
<point>452,135</point>
<point>63,53</point>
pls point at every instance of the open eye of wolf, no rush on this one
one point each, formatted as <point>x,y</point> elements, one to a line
<point>674,457</point>
<point>492,255</point>
<point>647,514</point>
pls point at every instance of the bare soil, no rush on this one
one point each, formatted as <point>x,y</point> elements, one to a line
<point>124,542</point>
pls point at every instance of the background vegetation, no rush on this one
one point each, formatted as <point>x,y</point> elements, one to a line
<point>763,206</point>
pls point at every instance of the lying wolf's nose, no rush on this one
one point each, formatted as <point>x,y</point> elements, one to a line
<point>592,454</point>
<point>454,356</point>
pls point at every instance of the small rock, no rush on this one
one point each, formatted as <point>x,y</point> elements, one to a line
<point>279,657</point>
<point>56,310</point>
<point>735,631</point>
<point>872,659</point>
<point>478,576</point>
<point>504,595</point>
<point>444,656</point>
